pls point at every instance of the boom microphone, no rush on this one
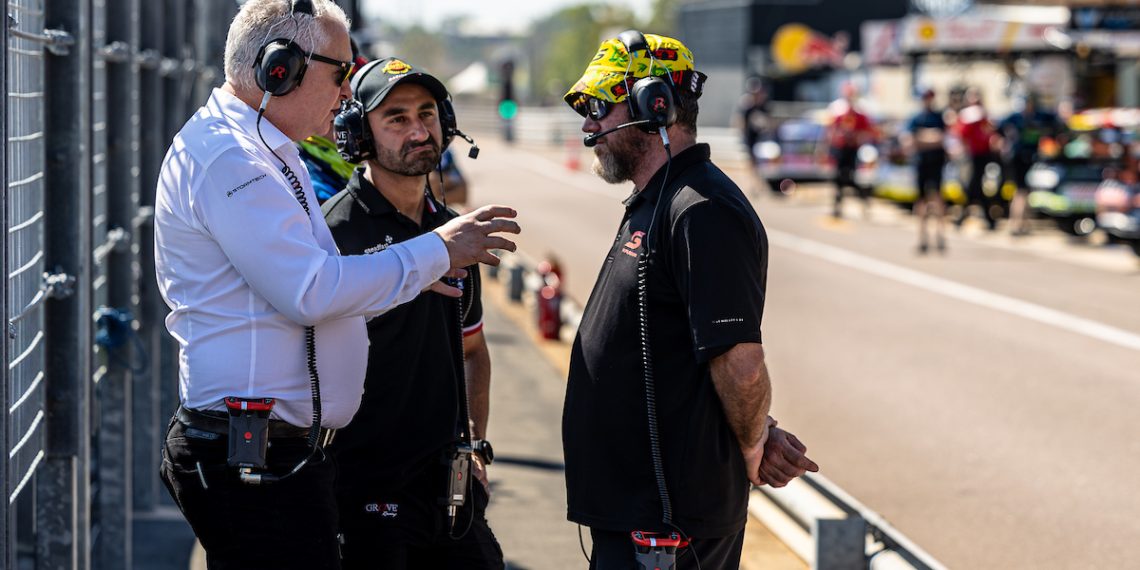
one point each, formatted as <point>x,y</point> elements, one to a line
<point>592,140</point>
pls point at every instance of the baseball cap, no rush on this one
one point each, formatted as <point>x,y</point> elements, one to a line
<point>605,78</point>
<point>374,81</point>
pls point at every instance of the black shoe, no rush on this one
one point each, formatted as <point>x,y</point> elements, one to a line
<point>922,247</point>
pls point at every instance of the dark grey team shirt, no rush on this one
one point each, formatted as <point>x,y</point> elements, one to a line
<point>706,280</point>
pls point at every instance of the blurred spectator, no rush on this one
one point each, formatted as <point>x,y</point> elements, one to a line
<point>754,120</point>
<point>925,136</point>
<point>849,130</point>
<point>1022,132</point>
<point>328,171</point>
<point>978,137</point>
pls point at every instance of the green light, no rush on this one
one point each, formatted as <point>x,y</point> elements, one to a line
<point>508,109</point>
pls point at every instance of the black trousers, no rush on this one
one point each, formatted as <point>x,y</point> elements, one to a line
<point>846,163</point>
<point>614,551</point>
<point>287,524</point>
<point>408,529</point>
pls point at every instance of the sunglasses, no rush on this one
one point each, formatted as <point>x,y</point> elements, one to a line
<point>593,108</point>
<point>344,67</point>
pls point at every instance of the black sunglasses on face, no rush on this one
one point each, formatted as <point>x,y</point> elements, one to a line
<point>345,67</point>
<point>593,108</point>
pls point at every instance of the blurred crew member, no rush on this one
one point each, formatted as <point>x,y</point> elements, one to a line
<point>705,280</point>
<point>1022,131</point>
<point>427,359</point>
<point>754,118</point>
<point>262,305</point>
<point>925,134</point>
<point>977,135</point>
<point>849,130</point>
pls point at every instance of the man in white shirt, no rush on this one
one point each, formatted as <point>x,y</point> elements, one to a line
<point>262,304</point>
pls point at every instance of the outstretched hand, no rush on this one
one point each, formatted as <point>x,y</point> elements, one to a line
<point>469,238</point>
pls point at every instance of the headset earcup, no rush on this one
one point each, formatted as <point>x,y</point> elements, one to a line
<point>279,67</point>
<point>653,100</point>
<point>353,136</point>
<point>447,123</point>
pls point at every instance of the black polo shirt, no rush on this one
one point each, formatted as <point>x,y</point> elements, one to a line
<point>706,282</point>
<point>411,405</point>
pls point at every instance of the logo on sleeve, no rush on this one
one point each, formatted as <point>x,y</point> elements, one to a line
<point>243,185</point>
<point>630,248</point>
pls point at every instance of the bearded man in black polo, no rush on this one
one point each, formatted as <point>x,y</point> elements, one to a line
<point>668,437</point>
<point>426,360</point>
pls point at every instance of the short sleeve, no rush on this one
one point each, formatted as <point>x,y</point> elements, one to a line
<point>472,301</point>
<point>720,260</point>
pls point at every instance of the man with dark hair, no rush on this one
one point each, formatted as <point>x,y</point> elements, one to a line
<point>666,420</point>
<point>427,387</point>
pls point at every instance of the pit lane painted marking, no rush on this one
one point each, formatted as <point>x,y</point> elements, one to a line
<point>955,290</point>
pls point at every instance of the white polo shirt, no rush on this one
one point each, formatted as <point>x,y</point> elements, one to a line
<point>244,270</point>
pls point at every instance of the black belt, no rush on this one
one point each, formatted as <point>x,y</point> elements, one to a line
<point>219,423</point>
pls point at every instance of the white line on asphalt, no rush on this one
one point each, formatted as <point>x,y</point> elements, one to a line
<point>548,168</point>
<point>952,289</point>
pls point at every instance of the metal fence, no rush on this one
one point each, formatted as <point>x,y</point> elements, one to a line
<point>95,91</point>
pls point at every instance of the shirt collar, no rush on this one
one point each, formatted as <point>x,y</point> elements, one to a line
<point>375,204</point>
<point>699,152</point>
<point>243,117</point>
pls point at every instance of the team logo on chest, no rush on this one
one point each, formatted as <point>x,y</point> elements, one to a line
<point>630,248</point>
<point>380,246</point>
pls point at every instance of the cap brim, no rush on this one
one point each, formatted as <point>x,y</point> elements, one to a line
<point>433,85</point>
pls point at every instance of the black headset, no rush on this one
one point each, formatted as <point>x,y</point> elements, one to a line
<point>354,138</point>
<point>280,65</point>
<point>650,98</point>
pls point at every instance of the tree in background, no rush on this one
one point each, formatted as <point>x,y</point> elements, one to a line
<point>663,19</point>
<point>560,43</point>
<point>422,49</point>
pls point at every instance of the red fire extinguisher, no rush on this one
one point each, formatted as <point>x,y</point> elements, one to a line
<point>549,301</point>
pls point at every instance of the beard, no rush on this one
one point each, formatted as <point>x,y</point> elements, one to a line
<point>618,159</point>
<point>400,162</point>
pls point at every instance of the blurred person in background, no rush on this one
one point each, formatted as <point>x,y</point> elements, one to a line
<point>1021,133</point>
<point>980,141</point>
<point>692,391</point>
<point>428,383</point>
<point>754,120</point>
<point>327,169</point>
<point>925,137</point>
<point>849,130</point>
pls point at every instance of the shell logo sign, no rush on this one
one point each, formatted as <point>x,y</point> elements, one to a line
<point>797,48</point>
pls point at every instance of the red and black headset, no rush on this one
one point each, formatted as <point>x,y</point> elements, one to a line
<point>281,63</point>
<point>650,98</point>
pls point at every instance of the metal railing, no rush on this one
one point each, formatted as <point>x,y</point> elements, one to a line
<point>96,89</point>
<point>831,530</point>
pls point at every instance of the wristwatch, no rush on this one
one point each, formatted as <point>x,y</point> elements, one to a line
<point>483,448</point>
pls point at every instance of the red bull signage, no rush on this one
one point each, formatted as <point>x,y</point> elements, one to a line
<point>797,48</point>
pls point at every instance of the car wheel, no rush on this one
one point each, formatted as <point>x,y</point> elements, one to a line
<point>1135,246</point>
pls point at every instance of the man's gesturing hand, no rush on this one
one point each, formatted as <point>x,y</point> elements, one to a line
<point>469,237</point>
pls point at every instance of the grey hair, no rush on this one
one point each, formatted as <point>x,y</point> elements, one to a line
<point>260,21</point>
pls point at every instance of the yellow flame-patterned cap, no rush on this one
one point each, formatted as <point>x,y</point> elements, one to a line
<point>606,77</point>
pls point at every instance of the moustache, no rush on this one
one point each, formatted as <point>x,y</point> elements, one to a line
<point>412,147</point>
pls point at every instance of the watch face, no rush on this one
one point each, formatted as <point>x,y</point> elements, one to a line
<point>486,451</point>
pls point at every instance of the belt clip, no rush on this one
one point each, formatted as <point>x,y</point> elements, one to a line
<point>248,432</point>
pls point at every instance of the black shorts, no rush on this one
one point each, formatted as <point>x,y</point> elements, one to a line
<point>929,177</point>
<point>1019,169</point>
<point>407,528</point>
